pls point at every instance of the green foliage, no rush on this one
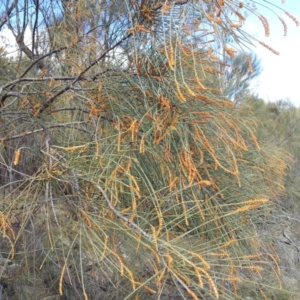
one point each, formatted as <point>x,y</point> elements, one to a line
<point>279,127</point>
<point>125,172</point>
<point>278,130</point>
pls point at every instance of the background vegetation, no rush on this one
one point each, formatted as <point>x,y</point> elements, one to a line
<point>134,161</point>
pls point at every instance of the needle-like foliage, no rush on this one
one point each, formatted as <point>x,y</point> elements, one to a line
<point>125,172</point>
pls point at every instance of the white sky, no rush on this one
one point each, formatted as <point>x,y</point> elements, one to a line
<point>8,41</point>
<point>280,78</point>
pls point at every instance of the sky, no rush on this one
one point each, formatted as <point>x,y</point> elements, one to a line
<point>280,78</point>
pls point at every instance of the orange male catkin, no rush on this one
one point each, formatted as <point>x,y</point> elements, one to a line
<point>17,157</point>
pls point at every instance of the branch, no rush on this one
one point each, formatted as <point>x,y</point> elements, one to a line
<point>125,219</point>
<point>30,79</point>
<point>41,58</point>
<point>4,139</point>
<point>6,15</point>
<point>48,102</point>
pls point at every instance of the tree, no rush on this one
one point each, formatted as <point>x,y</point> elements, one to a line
<point>117,140</point>
<point>239,76</point>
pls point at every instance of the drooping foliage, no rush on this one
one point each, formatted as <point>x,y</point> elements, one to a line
<point>125,171</point>
<point>279,127</point>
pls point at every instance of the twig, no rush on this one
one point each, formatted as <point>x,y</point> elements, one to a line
<point>118,214</point>
<point>3,139</point>
<point>47,103</point>
<point>291,242</point>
